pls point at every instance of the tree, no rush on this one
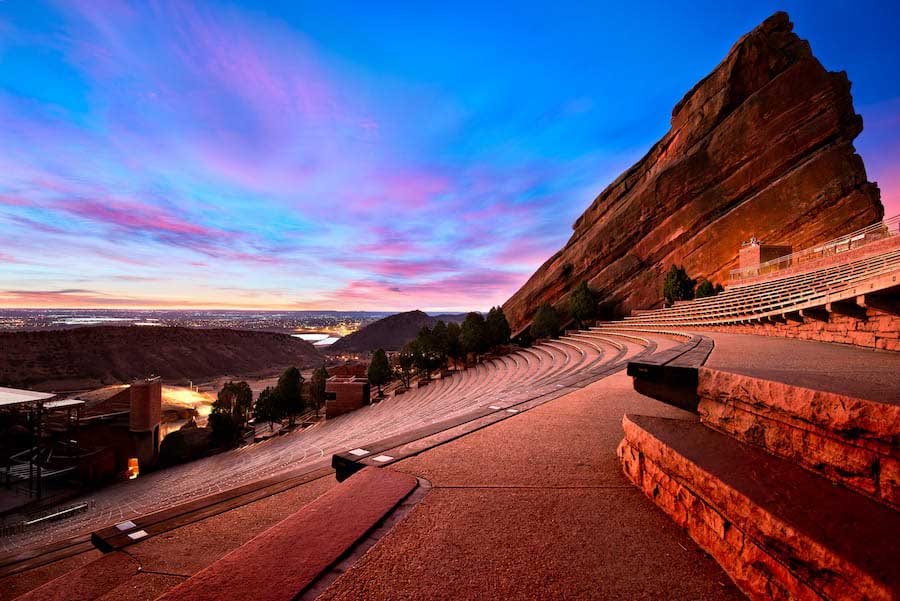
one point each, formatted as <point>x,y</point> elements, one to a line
<point>269,407</point>
<point>440,342</point>
<point>704,289</point>
<point>405,363</point>
<point>225,431</point>
<point>454,346</point>
<point>290,393</point>
<point>498,330</point>
<point>545,323</point>
<point>317,388</point>
<point>582,304</point>
<point>677,286</point>
<point>236,400</point>
<point>473,334</point>
<point>379,370</point>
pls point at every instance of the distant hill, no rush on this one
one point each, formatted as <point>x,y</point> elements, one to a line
<point>95,356</point>
<point>390,333</point>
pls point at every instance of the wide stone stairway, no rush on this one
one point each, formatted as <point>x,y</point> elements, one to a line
<point>788,474</point>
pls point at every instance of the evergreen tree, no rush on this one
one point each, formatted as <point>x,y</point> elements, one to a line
<point>582,304</point>
<point>677,286</point>
<point>290,393</point>
<point>545,323</point>
<point>441,342</point>
<point>454,346</point>
<point>473,334</point>
<point>236,400</point>
<point>498,330</point>
<point>225,431</point>
<point>317,388</point>
<point>379,370</point>
<point>704,289</point>
<point>405,364</point>
<point>269,407</point>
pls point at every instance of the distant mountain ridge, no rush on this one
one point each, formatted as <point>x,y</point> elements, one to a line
<point>391,333</point>
<point>95,356</point>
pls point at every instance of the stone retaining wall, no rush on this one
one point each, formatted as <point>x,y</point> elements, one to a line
<point>879,330</point>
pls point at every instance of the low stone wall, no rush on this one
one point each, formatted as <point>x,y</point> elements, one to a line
<point>754,571</point>
<point>849,441</point>
<point>878,330</point>
<point>755,535</point>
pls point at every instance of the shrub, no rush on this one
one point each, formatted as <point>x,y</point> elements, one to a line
<point>705,289</point>
<point>545,323</point>
<point>225,430</point>
<point>677,286</point>
<point>583,304</point>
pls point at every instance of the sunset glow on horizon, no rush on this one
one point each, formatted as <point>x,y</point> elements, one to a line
<point>357,157</point>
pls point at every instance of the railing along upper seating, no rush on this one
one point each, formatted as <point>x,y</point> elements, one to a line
<point>852,241</point>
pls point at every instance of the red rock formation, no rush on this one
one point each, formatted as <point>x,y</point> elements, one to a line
<point>761,146</point>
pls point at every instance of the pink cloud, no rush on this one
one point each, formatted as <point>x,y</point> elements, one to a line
<point>395,268</point>
<point>459,292</point>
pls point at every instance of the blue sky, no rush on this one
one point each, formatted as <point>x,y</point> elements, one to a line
<point>352,155</point>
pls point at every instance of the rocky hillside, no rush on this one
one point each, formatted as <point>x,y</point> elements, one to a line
<point>389,333</point>
<point>761,146</point>
<point>94,356</point>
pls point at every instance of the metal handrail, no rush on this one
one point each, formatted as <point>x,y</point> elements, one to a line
<point>862,237</point>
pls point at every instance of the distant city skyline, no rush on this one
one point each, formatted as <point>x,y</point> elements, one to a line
<point>301,156</point>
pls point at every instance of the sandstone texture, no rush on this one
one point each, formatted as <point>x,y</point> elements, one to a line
<point>878,329</point>
<point>761,146</point>
<point>848,440</point>
<point>779,532</point>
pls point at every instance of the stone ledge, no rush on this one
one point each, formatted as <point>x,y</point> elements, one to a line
<point>283,561</point>
<point>778,530</point>
<point>849,440</point>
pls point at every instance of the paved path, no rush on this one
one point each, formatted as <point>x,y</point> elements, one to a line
<point>536,507</point>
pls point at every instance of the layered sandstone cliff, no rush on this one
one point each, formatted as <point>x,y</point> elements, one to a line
<point>761,146</point>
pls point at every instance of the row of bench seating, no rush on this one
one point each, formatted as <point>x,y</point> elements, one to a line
<point>500,382</point>
<point>779,296</point>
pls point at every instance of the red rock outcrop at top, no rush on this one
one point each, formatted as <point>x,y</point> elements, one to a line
<point>761,146</point>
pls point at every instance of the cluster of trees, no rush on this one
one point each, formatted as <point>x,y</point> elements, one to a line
<point>234,405</point>
<point>679,286</point>
<point>435,347</point>
<point>582,310</point>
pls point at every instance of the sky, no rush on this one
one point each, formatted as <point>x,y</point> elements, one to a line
<point>353,155</point>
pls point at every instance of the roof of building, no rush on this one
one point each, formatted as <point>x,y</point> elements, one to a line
<point>10,397</point>
<point>63,404</point>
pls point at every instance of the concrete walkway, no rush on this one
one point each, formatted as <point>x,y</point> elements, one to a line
<point>536,507</point>
<point>837,368</point>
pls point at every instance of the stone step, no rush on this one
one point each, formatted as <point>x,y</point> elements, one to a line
<point>850,440</point>
<point>302,546</point>
<point>779,531</point>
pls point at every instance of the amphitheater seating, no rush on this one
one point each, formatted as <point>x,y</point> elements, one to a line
<point>525,376</point>
<point>780,296</point>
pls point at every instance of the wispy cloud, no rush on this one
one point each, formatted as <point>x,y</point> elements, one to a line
<point>199,154</point>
